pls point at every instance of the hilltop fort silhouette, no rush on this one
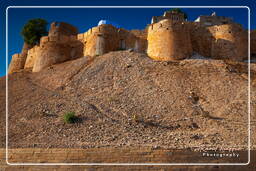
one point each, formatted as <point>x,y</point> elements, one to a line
<point>168,37</point>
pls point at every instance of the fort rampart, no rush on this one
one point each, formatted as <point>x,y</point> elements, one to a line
<point>168,41</point>
<point>171,38</point>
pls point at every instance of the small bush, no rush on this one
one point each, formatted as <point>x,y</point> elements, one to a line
<point>33,30</point>
<point>70,117</point>
<point>136,118</point>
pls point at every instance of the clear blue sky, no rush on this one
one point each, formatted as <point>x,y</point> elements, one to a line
<point>86,18</point>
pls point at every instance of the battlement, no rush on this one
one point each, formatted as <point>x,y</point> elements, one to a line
<point>167,25</point>
<point>169,37</point>
<point>61,28</point>
<point>60,39</point>
<point>170,15</point>
<point>226,29</point>
<point>213,20</point>
<point>17,63</point>
<point>16,55</point>
<point>168,40</point>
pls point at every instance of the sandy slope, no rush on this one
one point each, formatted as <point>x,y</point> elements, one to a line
<point>126,99</point>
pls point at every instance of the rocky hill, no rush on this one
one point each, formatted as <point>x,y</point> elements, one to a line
<point>124,98</point>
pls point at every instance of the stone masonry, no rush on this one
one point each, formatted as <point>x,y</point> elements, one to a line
<point>169,37</point>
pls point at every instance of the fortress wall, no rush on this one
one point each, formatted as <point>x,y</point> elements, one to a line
<point>31,57</point>
<point>230,42</point>
<point>100,40</point>
<point>253,43</point>
<point>56,49</point>
<point>127,40</point>
<point>140,42</point>
<point>61,28</point>
<point>201,39</point>
<point>168,41</point>
<point>18,60</point>
<point>51,53</point>
<point>17,63</point>
<point>105,38</point>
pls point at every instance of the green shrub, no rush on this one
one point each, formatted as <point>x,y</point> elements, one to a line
<point>70,117</point>
<point>33,30</point>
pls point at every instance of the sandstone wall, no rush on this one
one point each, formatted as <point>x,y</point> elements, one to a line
<point>31,57</point>
<point>99,40</point>
<point>18,60</point>
<point>141,43</point>
<point>105,38</point>
<point>171,15</point>
<point>17,63</point>
<point>57,49</point>
<point>168,41</point>
<point>201,39</point>
<point>61,28</point>
<point>253,43</point>
<point>230,42</point>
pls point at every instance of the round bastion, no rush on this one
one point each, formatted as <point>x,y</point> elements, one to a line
<point>168,41</point>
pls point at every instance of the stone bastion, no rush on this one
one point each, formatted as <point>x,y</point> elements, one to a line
<point>168,41</point>
<point>165,40</point>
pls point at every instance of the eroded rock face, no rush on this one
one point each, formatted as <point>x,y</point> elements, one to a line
<point>168,41</point>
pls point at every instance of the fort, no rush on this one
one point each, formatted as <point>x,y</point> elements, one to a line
<point>168,37</point>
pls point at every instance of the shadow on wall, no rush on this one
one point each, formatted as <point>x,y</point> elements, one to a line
<point>227,41</point>
<point>201,39</point>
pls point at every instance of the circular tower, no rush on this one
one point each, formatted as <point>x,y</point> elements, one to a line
<point>168,41</point>
<point>100,40</point>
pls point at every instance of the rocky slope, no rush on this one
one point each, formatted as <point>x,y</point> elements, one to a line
<point>126,99</point>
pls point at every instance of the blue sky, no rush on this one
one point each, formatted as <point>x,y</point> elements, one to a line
<point>85,18</point>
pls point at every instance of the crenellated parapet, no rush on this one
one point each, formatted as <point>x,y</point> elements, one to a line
<point>56,49</point>
<point>18,60</point>
<point>17,63</point>
<point>61,28</point>
<point>105,38</point>
<point>169,37</point>
<point>226,41</point>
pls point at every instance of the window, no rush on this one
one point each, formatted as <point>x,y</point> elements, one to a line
<point>122,44</point>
